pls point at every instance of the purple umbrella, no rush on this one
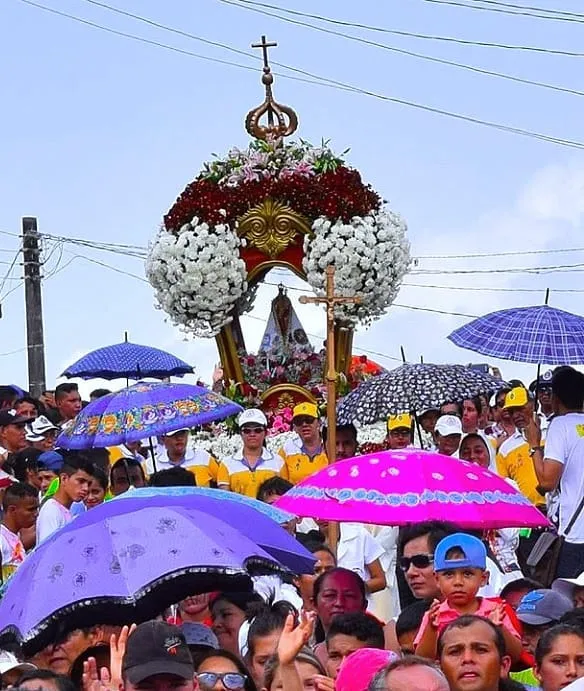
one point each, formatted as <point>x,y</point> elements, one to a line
<point>146,409</point>
<point>125,568</point>
<point>129,361</point>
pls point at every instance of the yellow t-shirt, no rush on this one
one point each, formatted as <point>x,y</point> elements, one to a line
<point>515,463</point>
<point>298,464</point>
<point>198,462</point>
<point>236,474</point>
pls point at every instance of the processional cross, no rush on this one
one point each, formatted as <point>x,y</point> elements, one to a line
<point>330,300</point>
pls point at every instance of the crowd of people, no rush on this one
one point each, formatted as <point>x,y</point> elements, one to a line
<point>428,606</point>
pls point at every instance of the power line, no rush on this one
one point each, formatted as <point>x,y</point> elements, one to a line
<point>492,290</point>
<point>507,11</point>
<point>8,272</point>
<point>413,34</point>
<point>561,268</point>
<point>325,81</point>
<point>246,5</point>
<point>531,8</point>
<point>517,253</point>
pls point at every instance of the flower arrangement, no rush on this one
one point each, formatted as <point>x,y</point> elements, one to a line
<point>302,367</point>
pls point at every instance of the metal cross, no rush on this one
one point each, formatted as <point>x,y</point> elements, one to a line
<point>264,45</point>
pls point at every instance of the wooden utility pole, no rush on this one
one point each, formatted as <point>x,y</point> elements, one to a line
<point>330,300</point>
<point>34,307</point>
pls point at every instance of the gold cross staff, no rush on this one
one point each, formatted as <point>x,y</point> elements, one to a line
<point>331,301</point>
<point>264,45</point>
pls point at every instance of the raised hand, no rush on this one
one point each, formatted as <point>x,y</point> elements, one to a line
<point>293,639</point>
<point>117,652</point>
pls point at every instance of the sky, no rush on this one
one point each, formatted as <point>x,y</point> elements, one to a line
<point>100,133</point>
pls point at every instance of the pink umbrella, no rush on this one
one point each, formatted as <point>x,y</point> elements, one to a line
<point>410,486</point>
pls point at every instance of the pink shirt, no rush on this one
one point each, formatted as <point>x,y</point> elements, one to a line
<point>486,605</point>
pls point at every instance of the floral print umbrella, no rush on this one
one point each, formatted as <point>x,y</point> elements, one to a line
<point>413,388</point>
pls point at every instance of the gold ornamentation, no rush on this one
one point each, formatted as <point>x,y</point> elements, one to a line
<point>271,227</point>
<point>282,120</point>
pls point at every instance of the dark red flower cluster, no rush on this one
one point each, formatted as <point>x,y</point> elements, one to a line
<point>339,194</point>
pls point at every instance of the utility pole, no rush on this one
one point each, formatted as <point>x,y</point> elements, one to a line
<point>34,307</point>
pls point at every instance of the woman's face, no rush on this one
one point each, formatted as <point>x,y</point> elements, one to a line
<point>339,594</point>
<point>253,436</point>
<point>325,562</point>
<point>264,647</point>
<point>26,409</point>
<point>195,605</point>
<point>475,450</point>
<point>578,596</point>
<point>563,664</point>
<point>217,665</point>
<point>227,620</point>
<point>95,494</point>
<point>307,672</point>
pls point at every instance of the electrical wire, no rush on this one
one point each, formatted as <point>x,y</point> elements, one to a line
<point>511,5</point>
<point>518,253</point>
<point>507,11</point>
<point>325,81</point>
<point>413,34</point>
<point>243,4</point>
<point>560,268</point>
<point>8,272</point>
<point>492,290</point>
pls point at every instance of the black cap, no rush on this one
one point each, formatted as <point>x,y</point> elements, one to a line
<point>156,647</point>
<point>11,417</point>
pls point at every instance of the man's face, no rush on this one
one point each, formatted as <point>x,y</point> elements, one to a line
<point>428,420</point>
<point>307,428</point>
<point>76,486</point>
<point>545,398</point>
<point>48,441</point>
<point>470,659</point>
<point>416,678</point>
<point>399,438</point>
<point>460,586</point>
<point>470,416</point>
<point>521,416</point>
<point>177,443</point>
<point>448,444</point>
<point>339,647</point>
<point>162,682</point>
<point>69,405</point>
<point>346,445</point>
<point>13,437</point>
<point>122,478</point>
<point>25,512</point>
<point>531,634</point>
<point>420,577</point>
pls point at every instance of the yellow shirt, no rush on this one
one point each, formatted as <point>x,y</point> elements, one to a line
<point>515,463</point>
<point>236,474</point>
<point>298,464</point>
<point>197,461</point>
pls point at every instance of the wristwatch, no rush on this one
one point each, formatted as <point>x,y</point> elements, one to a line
<point>534,449</point>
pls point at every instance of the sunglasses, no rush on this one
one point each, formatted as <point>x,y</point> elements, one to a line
<point>299,421</point>
<point>420,561</point>
<point>252,430</point>
<point>233,681</point>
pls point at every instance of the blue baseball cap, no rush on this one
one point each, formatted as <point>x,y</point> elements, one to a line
<point>51,460</point>
<point>543,607</point>
<point>475,553</point>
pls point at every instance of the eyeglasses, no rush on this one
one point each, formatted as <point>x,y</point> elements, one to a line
<point>420,561</point>
<point>233,681</point>
<point>299,421</point>
<point>252,430</point>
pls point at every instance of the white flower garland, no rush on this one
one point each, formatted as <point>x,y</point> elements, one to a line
<point>371,256</point>
<point>198,275</point>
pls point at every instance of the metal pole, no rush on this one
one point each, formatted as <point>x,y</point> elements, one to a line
<point>34,307</point>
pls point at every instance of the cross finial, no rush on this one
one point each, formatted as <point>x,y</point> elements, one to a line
<point>264,45</point>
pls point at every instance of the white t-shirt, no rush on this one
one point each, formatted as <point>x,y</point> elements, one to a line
<point>565,444</point>
<point>357,548</point>
<point>13,552</point>
<point>52,516</point>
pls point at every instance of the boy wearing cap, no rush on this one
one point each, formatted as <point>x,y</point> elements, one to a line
<point>245,471</point>
<point>514,460</point>
<point>399,431</point>
<point>157,657</point>
<point>460,568</point>
<point>305,455</point>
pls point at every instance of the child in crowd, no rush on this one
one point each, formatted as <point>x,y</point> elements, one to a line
<point>408,624</point>
<point>460,569</point>
<point>20,506</point>
<point>348,633</point>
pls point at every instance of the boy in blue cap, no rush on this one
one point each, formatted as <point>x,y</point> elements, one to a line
<point>460,562</point>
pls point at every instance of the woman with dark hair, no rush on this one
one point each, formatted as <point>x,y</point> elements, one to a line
<point>325,561</point>
<point>559,657</point>
<point>228,612</point>
<point>97,489</point>
<point>27,406</point>
<point>221,669</point>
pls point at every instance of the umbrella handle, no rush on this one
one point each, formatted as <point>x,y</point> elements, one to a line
<point>152,454</point>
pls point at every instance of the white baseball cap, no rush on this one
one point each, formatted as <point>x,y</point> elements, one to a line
<point>252,415</point>
<point>39,428</point>
<point>566,586</point>
<point>177,431</point>
<point>8,662</point>
<point>447,425</point>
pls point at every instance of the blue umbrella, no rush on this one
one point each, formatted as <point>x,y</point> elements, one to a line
<point>541,335</point>
<point>146,409</point>
<point>268,510</point>
<point>127,566</point>
<point>129,361</point>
